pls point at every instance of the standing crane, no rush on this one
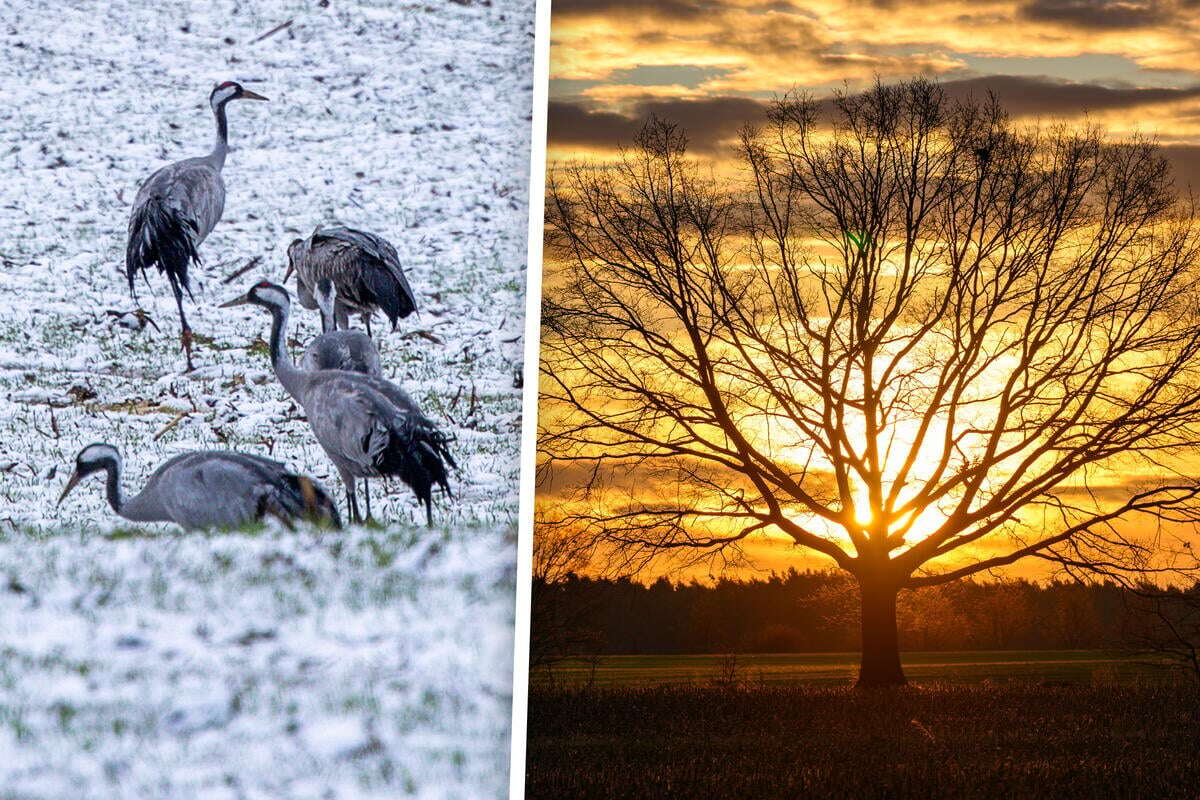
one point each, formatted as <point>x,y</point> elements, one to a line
<point>352,351</point>
<point>367,426</point>
<point>211,489</point>
<point>364,268</point>
<point>177,207</point>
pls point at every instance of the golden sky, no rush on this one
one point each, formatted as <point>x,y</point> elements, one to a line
<point>1133,65</point>
<point>712,65</point>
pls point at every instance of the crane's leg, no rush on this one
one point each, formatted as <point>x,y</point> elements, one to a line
<point>367,497</point>
<point>187,348</point>
<point>367,319</point>
<point>351,500</point>
<point>185,336</point>
<point>428,512</point>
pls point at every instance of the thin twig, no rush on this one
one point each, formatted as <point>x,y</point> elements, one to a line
<point>251,264</point>
<point>273,31</point>
<point>171,424</point>
<point>427,335</point>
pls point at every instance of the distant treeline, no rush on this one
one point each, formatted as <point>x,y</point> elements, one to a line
<point>797,612</point>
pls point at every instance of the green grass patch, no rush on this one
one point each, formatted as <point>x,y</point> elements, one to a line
<point>835,669</point>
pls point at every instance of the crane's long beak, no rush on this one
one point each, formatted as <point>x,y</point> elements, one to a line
<point>288,274</point>
<point>237,301</point>
<point>75,478</point>
<point>249,95</point>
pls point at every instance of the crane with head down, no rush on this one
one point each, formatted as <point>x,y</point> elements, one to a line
<point>364,268</point>
<point>208,489</point>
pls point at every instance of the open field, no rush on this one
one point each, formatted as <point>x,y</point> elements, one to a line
<point>362,663</point>
<point>152,663</point>
<point>834,669</point>
<point>1022,740</point>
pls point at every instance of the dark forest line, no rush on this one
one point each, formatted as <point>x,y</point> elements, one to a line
<point>804,612</point>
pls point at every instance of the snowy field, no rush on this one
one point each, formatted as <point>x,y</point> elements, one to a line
<point>146,662</point>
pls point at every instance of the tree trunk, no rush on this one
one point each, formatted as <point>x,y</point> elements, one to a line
<point>880,664</point>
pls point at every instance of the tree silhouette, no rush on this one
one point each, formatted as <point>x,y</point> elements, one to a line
<point>880,346</point>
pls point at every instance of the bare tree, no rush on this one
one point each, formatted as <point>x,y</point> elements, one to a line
<point>923,343</point>
<point>559,628</point>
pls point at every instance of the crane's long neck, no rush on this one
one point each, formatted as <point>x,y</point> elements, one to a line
<point>328,321</point>
<point>142,507</point>
<point>285,370</point>
<point>112,486</point>
<point>221,147</point>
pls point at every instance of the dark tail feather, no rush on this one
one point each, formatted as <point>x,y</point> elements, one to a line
<point>393,299</point>
<point>419,455</point>
<point>159,236</point>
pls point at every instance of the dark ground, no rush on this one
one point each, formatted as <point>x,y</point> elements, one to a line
<point>1019,740</point>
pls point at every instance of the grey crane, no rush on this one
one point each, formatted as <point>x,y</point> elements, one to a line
<point>177,207</point>
<point>367,426</point>
<point>210,489</point>
<point>364,267</point>
<point>352,351</point>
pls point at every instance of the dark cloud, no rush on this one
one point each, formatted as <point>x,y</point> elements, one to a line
<point>673,9</point>
<point>1033,96</point>
<point>650,38</point>
<point>712,121</point>
<point>570,124</point>
<point>709,122</point>
<point>681,9</point>
<point>1084,14</point>
<point>787,7</point>
<point>1100,14</point>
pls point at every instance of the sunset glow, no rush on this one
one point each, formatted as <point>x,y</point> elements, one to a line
<point>710,66</point>
<point>714,70</point>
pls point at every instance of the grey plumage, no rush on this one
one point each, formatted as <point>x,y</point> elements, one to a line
<point>175,210</point>
<point>352,351</point>
<point>367,426</point>
<point>364,268</point>
<point>210,489</point>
